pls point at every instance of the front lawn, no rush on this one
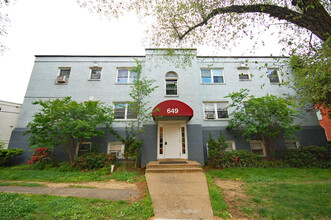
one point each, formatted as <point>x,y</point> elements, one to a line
<point>21,206</point>
<point>24,173</point>
<point>274,193</point>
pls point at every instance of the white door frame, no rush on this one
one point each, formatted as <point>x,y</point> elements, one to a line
<point>161,126</point>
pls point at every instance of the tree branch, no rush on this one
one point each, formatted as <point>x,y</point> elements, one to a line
<point>316,20</point>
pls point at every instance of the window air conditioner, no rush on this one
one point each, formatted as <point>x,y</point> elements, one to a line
<point>96,76</point>
<point>211,116</point>
<point>61,79</point>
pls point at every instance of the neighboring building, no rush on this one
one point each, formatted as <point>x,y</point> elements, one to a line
<point>190,98</point>
<point>9,112</point>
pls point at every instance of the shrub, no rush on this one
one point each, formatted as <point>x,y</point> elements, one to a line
<point>241,158</point>
<point>5,155</point>
<point>90,161</point>
<point>215,149</point>
<point>40,158</point>
<point>307,156</point>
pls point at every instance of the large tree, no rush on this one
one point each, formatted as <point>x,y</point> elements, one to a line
<point>268,118</point>
<point>65,122</point>
<point>223,21</point>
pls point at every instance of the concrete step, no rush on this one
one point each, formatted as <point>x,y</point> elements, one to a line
<point>173,166</point>
<point>173,170</point>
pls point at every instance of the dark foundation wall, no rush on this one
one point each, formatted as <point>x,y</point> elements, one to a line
<point>312,135</point>
<point>195,144</point>
<point>149,148</point>
<point>19,141</point>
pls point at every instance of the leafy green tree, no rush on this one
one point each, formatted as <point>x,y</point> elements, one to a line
<point>68,123</point>
<point>221,22</point>
<point>312,76</point>
<point>140,91</point>
<point>268,118</point>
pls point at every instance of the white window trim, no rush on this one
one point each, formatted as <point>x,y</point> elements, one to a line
<point>262,145</point>
<point>165,85</point>
<point>297,143</point>
<point>248,73</point>
<point>125,113</point>
<point>58,74</point>
<point>212,76</point>
<point>90,75</point>
<point>279,77</point>
<point>128,79</point>
<point>231,144</point>
<point>86,142</point>
<point>120,154</point>
<point>215,111</point>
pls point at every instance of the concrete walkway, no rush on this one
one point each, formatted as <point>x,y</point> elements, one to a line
<point>179,195</point>
<point>107,194</point>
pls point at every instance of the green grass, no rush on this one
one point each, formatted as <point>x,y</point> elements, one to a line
<point>21,206</point>
<point>24,173</point>
<point>219,207</point>
<point>21,184</point>
<point>283,193</point>
<point>273,174</point>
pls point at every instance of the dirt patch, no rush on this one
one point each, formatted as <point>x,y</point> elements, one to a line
<point>111,184</point>
<point>234,196</point>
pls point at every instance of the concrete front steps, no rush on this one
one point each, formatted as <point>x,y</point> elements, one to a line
<point>173,166</point>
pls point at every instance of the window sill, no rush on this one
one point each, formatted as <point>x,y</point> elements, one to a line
<point>213,83</point>
<point>123,83</point>
<point>220,119</point>
<point>275,83</point>
<point>245,79</point>
<point>60,83</point>
<point>94,79</point>
<point>122,120</point>
<point>171,96</point>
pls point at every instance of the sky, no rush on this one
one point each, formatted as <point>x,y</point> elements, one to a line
<point>61,27</point>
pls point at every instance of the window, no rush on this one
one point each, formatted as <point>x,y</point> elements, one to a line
<point>273,76</point>
<point>291,144</point>
<point>126,76</point>
<point>161,140</point>
<point>116,148</point>
<point>244,74</point>
<point>257,147</point>
<point>212,76</point>
<point>123,111</point>
<point>95,73</point>
<point>63,76</point>
<point>231,145</point>
<point>217,110</point>
<point>171,83</point>
<point>85,148</point>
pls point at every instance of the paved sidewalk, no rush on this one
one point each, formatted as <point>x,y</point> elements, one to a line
<point>179,195</point>
<point>107,194</point>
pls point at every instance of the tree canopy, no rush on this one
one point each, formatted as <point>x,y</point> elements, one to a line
<point>219,22</point>
<point>65,122</point>
<point>268,118</point>
<point>312,76</point>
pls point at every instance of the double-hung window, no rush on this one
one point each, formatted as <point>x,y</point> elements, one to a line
<point>125,75</point>
<point>244,74</point>
<point>63,76</point>
<point>273,76</point>
<point>212,76</point>
<point>257,147</point>
<point>171,84</point>
<point>216,110</point>
<point>123,111</point>
<point>95,73</point>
